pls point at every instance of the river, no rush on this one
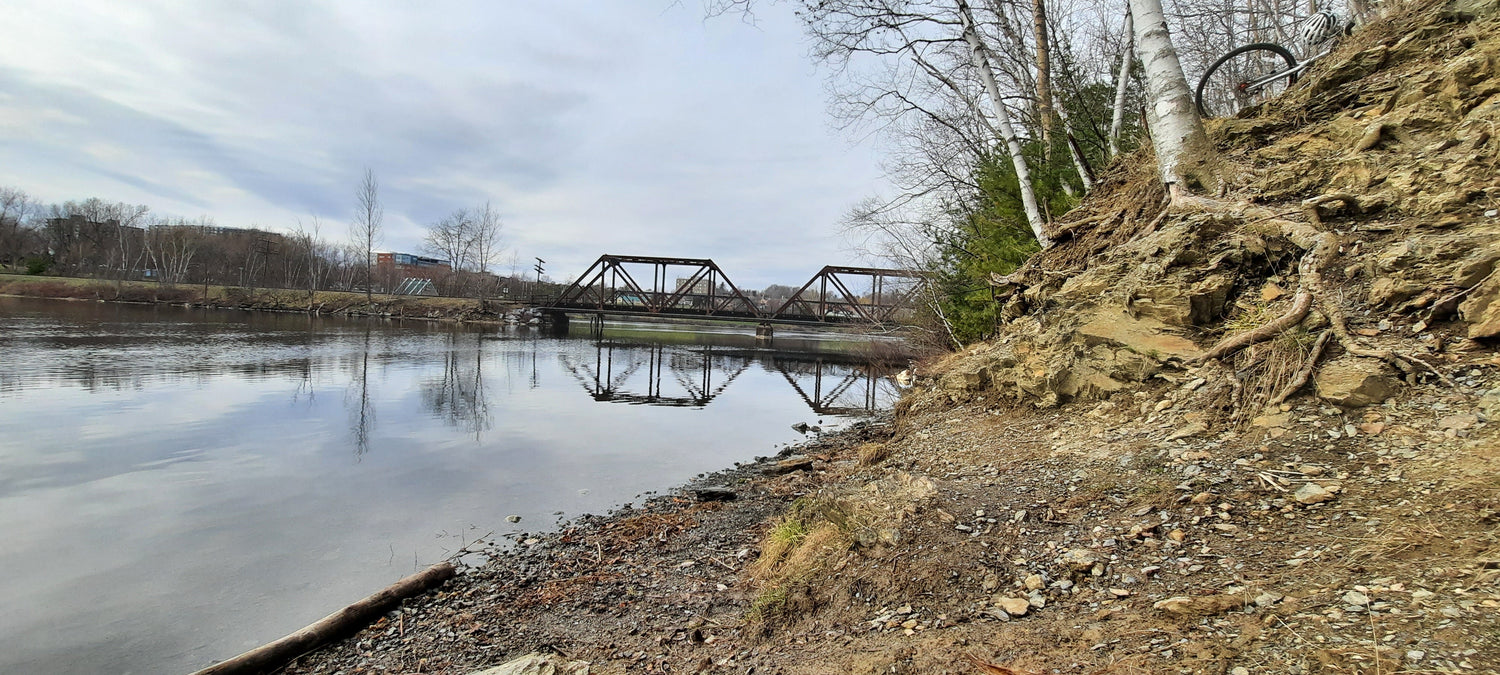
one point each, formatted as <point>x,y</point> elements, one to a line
<point>179,485</point>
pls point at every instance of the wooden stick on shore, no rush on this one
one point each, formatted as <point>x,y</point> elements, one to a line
<point>342,623</point>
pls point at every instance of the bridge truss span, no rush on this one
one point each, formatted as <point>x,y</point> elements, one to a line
<point>609,286</point>
<point>697,287</point>
<point>882,306</point>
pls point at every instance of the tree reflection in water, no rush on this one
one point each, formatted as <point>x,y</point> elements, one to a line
<point>457,396</point>
<point>362,413</point>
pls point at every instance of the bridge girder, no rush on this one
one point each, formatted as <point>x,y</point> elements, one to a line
<point>608,287</point>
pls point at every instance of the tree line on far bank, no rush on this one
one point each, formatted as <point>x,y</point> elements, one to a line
<point>118,241</point>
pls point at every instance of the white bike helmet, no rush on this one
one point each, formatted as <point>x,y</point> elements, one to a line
<point>1321,27</point>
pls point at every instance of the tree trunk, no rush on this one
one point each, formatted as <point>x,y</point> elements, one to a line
<point>1183,153</point>
<point>1085,172</point>
<point>347,621</point>
<point>1002,119</point>
<point>1118,119</point>
<point>1044,107</point>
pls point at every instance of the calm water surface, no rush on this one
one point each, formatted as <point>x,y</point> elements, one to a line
<point>177,486</point>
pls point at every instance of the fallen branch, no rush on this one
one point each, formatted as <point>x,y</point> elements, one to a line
<point>268,658</point>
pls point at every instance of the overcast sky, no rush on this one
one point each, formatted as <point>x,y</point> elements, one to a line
<point>620,126</point>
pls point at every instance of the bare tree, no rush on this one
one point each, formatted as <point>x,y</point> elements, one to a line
<point>487,250</point>
<point>1044,108</point>
<point>452,238</point>
<point>1122,83</point>
<point>171,246</point>
<point>308,247</point>
<point>366,229</point>
<point>15,206</point>
<point>1002,120</point>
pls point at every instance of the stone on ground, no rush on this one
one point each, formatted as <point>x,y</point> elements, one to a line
<point>1354,382</point>
<point>538,664</point>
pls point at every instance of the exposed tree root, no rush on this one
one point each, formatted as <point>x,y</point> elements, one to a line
<point>1406,363</point>
<point>1320,246</point>
<point>1301,305</point>
<point>1303,373</point>
<point>1310,206</point>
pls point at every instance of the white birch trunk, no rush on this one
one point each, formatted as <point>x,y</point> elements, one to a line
<point>1121,84</point>
<point>1002,120</point>
<point>1183,154</point>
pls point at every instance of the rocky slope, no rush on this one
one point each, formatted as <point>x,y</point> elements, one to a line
<point>1390,146</point>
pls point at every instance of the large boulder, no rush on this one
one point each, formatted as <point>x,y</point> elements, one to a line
<point>1482,310</point>
<point>538,664</point>
<point>1354,382</point>
<point>1142,336</point>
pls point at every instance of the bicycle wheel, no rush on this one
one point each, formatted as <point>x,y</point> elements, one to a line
<point>1245,77</point>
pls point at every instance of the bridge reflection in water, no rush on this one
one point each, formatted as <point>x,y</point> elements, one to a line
<point>647,373</point>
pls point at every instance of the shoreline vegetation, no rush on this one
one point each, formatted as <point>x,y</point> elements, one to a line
<point>342,303</point>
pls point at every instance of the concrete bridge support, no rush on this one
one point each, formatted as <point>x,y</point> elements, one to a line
<point>764,332</point>
<point>555,322</point>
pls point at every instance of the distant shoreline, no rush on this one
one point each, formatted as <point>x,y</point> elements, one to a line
<point>331,303</point>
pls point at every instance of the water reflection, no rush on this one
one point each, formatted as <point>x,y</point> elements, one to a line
<point>633,370</point>
<point>457,397</point>
<point>653,373</point>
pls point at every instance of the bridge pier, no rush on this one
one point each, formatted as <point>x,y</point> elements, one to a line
<point>764,332</point>
<point>556,322</point>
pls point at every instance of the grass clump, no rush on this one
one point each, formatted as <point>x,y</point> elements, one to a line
<point>813,537</point>
<point>871,454</point>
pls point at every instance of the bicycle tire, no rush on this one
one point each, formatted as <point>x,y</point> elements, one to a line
<point>1209,108</point>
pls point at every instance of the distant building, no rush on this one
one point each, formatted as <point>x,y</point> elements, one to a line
<point>409,266</point>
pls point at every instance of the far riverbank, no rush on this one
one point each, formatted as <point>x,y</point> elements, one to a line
<point>342,303</point>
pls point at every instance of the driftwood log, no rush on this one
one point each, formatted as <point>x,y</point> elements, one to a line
<point>347,621</point>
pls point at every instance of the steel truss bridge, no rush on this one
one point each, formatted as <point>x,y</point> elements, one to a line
<point>698,288</point>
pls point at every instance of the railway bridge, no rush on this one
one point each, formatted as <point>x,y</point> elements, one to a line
<point>697,288</point>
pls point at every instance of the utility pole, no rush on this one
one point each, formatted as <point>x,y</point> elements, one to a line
<point>538,268</point>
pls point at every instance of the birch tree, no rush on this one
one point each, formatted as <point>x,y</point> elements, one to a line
<point>172,245</point>
<point>1184,156</point>
<point>1122,83</point>
<point>308,244</point>
<point>1002,121</point>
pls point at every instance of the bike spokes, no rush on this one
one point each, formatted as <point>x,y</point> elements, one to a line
<point>1244,78</point>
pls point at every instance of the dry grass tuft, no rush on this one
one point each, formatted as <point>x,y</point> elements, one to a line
<point>816,533</point>
<point>871,454</point>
